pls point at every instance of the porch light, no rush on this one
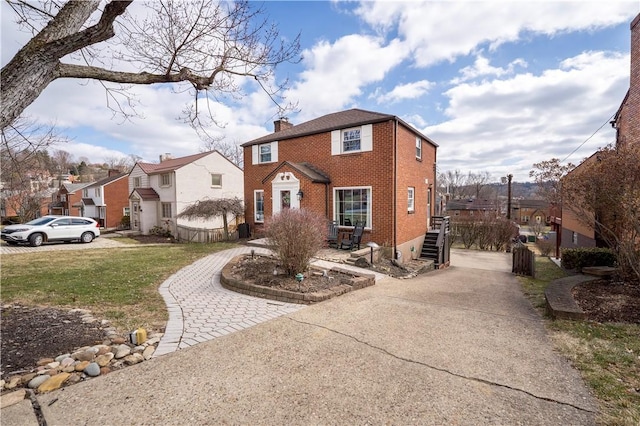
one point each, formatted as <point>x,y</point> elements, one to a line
<point>300,194</point>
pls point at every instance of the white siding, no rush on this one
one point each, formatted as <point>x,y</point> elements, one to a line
<point>137,172</point>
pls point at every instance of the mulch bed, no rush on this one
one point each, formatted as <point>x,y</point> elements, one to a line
<point>609,301</point>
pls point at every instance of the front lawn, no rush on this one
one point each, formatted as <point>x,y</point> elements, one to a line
<point>119,284</point>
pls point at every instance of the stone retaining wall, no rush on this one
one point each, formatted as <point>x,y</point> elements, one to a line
<point>355,283</point>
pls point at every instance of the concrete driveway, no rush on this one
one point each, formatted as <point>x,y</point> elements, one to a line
<point>457,346</point>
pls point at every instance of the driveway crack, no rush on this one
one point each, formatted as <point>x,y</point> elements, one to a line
<point>446,371</point>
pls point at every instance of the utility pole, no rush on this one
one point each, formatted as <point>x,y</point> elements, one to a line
<point>509,177</point>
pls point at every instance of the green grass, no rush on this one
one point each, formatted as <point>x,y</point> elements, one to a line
<point>116,284</point>
<point>607,355</point>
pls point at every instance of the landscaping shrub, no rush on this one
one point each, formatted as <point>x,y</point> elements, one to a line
<point>295,236</point>
<point>160,232</point>
<point>546,247</point>
<point>125,222</point>
<point>579,258</point>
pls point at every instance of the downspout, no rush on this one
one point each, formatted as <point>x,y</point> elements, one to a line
<point>326,201</point>
<point>395,188</point>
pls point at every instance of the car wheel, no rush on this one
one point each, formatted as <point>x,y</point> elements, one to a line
<point>86,237</point>
<point>36,240</point>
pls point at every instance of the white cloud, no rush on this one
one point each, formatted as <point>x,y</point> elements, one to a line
<point>504,126</point>
<point>402,92</point>
<point>481,67</point>
<point>337,72</point>
<point>442,31</point>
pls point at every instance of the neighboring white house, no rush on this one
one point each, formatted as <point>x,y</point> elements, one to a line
<point>159,192</point>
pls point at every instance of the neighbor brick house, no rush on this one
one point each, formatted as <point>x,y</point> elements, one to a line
<point>159,192</point>
<point>346,166</point>
<point>472,208</point>
<point>530,212</point>
<point>67,201</point>
<point>107,200</point>
<point>575,233</point>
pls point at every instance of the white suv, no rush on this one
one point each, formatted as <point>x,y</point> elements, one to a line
<point>52,228</point>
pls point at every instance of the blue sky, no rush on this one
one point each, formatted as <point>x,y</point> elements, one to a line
<point>498,85</point>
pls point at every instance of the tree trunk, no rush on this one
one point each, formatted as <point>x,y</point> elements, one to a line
<point>37,63</point>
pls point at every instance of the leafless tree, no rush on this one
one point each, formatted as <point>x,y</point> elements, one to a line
<point>547,175</point>
<point>62,161</point>
<point>123,164</point>
<point>231,150</point>
<point>477,183</point>
<point>451,182</point>
<point>205,45</point>
<point>25,166</point>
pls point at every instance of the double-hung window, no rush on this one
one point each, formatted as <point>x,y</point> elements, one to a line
<point>418,148</point>
<point>165,179</point>
<point>265,153</point>
<point>136,182</point>
<point>411,199</point>
<point>352,205</point>
<point>351,140</point>
<point>166,210</point>
<point>258,205</point>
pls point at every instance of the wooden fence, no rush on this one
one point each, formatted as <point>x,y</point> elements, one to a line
<point>524,261</point>
<point>198,235</point>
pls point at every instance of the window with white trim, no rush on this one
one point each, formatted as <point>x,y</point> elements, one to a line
<point>351,140</point>
<point>418,148</point>
<point>85,193</point>
<point>574,238</point>
<point>126,211</point>
<point>411,198</point>
<point>165,179</point>
<point>216,179</point>
<point>63,197</point>
<point>96,191</point>
<point>265,153</point>
<point>258,205</point>
<point>352,205</point>
<point>166,210</point>
<point>137,182</point>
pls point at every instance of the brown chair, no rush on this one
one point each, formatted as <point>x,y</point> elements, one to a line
<point>354,239</point>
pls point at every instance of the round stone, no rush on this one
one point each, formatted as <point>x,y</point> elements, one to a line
<point>37,381</point>
<point>122,351</point>
<point>93,369</point>
<point>103,360</point>
<point>59,358</point>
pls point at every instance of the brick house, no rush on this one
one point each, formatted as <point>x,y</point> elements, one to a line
<point>107,200</point>
<point>575,233</point>
<point>472,208</point>
<point>67,201</point>
<point>530,212</point>
<point>347,166</point>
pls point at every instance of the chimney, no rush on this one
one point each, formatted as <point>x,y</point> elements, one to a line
<point>281,124</point>
<point>166,156</point>
<point>113,172</point>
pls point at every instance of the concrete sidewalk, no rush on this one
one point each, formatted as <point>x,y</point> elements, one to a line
<point>456,346</point>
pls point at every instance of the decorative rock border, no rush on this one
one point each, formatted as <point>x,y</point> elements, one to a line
<point>560,301</point>
<point>82,364</point>
<point>357,282</point>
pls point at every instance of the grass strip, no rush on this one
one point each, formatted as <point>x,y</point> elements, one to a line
<point>607,355</point>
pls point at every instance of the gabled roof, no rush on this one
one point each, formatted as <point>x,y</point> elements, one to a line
<point>334,121</point>
<point>146,193</point>
<point>73,187</point>
<point>107,180</point>
<point>307,169</point>
<point>172,164</point>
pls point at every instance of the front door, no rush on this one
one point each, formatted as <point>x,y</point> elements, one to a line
<point>135,216</point>
<point>285,188</point>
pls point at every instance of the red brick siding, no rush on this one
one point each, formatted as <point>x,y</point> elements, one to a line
<point>373,169</point>
<point>116,198</point>
<point>631,131</point>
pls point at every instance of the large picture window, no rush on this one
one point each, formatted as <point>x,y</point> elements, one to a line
<point>351,140</point>
<point>258,206</point>
<point>352,205</point>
